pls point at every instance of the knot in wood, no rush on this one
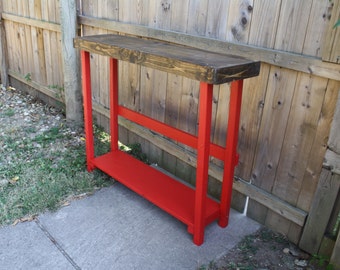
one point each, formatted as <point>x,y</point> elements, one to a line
<point>166,6</point>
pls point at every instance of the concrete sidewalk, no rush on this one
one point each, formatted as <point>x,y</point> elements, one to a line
<point>114,229</point>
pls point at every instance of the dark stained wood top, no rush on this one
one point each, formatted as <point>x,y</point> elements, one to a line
<point>210,67</point>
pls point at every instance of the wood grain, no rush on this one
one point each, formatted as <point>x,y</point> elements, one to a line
<point>189,62</point>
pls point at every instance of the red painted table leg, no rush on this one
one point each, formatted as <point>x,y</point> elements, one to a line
<point>203,149</point>
<point>88,119</point>
<point>114,103</point>
<point>231,157</point>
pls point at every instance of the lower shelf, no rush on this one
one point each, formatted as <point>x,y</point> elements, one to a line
<point>170,195</point>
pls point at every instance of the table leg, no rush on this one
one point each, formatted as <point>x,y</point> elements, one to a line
<point>203,149</point>
<point>88,119</point>
<point>231,157</point>
<point>114,103</point>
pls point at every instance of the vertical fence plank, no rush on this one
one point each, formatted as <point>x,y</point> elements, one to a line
<point>292,25</point>
<point>239,19</point>
<point>319,146</point>
<point>271,134</point>
<point>3,51</point>
<point>335,259</point>
<point>316,28</point>
<point>331,48</point>
<point>299,136</point>
<point>321,209</point>
<point>264,22</point>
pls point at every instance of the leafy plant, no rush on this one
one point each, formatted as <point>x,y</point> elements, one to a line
<point>337,24</point>
<point>28,77</point>
<point>322,261</point>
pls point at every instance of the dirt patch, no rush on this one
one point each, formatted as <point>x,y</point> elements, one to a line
<point>267,250</point>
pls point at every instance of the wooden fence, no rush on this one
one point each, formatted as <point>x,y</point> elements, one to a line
<point>288,174</point>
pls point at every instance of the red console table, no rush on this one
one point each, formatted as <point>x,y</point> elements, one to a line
<point>192,206</point>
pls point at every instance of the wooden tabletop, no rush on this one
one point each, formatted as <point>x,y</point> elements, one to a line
<point>202,65</point>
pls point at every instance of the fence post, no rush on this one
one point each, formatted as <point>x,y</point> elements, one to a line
<point>3,51</point>
<point>71,69</point>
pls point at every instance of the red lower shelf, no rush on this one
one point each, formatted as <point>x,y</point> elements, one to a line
<point>170,195</point>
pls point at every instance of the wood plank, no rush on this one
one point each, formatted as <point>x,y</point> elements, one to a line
<point>51,13</point>
<point>171,117</point>
<point>34,38</point>
<point>196,24</point>
<point>189,62</point>
<point>254,91</point>
<point>179,15</point>
<point>299,136</point>
<point>252,109</point>
<point>160,14</point>
<point>46,25</point>
<point>35,85</point>
<point>40,45</point>
<point>154,82</point>
<point>319,146</point>
<point>335,259</point>
<point>334,137</point>
<point>297,145</point>
<point>216,25</point>
<point>310,65</point>
<point>281,83</point>
<point>265,16</point>
<point>292,25</point>
<point>28,39</point>
<point>11,35</point>
<point>317,28</point>
<point>237,30</point>
<point>320,212</point>
<point>3,51</point>
<point>239,19</point>
<point>178,21</point>
<point>47,45</point>
<point>101,11</point>
<point>331,50</point>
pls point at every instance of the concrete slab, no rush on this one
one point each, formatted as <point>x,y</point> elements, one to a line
<point>117,229</point>
<point>25,246</point>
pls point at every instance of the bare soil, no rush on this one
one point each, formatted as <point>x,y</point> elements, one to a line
<point>267,250</point>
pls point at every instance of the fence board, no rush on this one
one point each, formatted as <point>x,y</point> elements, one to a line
<point>335,259</point>
<point>292,25</point>
<point>264,23</point>
<point>331,49</point>
<point>280,58</point>
<point>216,26</point>
<point>239,18</point>
<point>321,209</point>
<point>3,52</point>
<point>299,137</point>
<point>316,28</point>
<point>271,134</point>
<point>319,146</point>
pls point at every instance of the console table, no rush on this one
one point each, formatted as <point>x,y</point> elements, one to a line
<point>192,206</point>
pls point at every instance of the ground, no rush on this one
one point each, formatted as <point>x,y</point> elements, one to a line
<point>36,135</point>
<point>268,250</point>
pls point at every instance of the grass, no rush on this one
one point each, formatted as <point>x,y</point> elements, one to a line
<point>39,172</point>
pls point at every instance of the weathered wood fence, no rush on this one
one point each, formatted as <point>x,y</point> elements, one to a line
<point>289,142</point>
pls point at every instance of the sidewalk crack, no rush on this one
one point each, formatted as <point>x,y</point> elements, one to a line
<point>56,244</point>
